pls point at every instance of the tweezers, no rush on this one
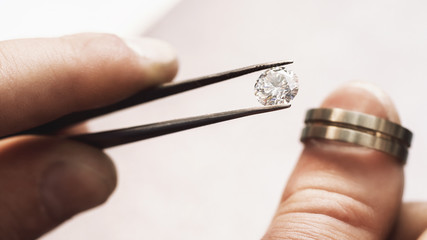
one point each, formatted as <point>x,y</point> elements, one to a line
<point>117,137</point>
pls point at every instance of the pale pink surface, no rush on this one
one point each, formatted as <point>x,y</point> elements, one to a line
<point>224,181</point>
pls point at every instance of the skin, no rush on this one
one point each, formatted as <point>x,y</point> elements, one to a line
<point>337,191</point>
<point>343,191</point>
<point>43,79</point>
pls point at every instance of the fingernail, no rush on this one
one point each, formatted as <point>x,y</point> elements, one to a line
<point>69,187</point>
<point>152,49</point>
<point>363,97</point>
<point>159,57</point>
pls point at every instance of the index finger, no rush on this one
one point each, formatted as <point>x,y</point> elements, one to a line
<point>342,191</point>
<point>44,79</point>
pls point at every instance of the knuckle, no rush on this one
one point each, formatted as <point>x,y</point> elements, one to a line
<point>329,203</point>
<point>293,226</point>
<point>313,213</point>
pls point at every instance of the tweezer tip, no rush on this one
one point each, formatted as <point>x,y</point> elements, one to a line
<point>271,64</point>
<point>275,107</point>
<point>283,62</point>
<point>281,106</point>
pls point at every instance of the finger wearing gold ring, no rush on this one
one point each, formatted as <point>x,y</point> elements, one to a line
<point>358,128</point>
<point>343,191</point>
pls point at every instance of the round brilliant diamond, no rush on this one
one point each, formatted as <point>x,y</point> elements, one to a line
<point>276,86</point>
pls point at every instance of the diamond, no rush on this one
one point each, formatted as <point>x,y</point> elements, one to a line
<point>276,86</point>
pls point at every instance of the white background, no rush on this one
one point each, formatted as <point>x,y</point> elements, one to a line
<point>45,18</point>
<point>224,181</point>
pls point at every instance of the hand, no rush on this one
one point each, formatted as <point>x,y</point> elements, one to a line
<point>342,191</point>
<point>43,79</point>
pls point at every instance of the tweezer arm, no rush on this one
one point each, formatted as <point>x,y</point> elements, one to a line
<point>122,136</point>
<point>148,95</point>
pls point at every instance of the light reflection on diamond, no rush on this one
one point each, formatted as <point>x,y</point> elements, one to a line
<point>276,86</point>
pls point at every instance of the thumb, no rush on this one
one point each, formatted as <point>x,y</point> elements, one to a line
<point>339,190</point>
<point>45,181</point>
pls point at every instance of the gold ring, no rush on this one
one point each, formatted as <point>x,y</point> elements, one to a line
<point>358,128</point>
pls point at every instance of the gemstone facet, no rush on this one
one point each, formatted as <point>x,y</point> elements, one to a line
<point>276,86</point>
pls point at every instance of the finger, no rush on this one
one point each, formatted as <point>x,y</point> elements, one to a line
<point>423,236</point>
<point>412,221</point>
<point>76,129</point>
<point>342,191</point>
<point>43,79</point>
<point>44,181</point>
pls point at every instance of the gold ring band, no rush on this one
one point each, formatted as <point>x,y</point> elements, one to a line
<point>358,128</point>
<point>360,121</point>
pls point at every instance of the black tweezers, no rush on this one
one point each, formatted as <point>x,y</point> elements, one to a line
<point>126,135</point>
